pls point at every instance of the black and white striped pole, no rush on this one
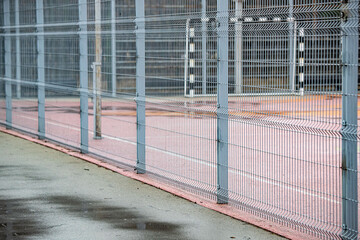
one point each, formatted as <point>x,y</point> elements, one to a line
<point>192,61</point>
<point>301,60</point>
<point>186,63</point>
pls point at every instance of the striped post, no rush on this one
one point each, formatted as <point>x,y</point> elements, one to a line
<point>263,19</point>
<point>301,61</point>
<point>192,62</point>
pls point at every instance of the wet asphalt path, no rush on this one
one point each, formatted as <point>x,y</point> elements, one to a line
<point>45,194</point>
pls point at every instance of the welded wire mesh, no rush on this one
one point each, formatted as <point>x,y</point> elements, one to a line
<point>286,97</point>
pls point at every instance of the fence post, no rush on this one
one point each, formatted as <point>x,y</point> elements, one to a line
<point>97,69</point>
<point>84,74</point>
<point>40,67</point>
<point>292,50</point>
<point>238,47</point>
<point>203,45</point>
<point>222,101</point>
<point>192,60</point>
<point>113,48</point>
<point>8,85</point>
<point>140,86</point>
<point>186,57</point>
<point>350,42</point>
<point>301,61</point>
<point>18,60</point>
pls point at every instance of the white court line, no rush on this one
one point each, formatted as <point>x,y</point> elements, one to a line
<point>248,175</point>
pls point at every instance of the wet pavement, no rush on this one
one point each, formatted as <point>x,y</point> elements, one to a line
<point>45,194</point>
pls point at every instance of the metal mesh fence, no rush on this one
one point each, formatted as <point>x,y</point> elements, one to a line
<point>253,103</point>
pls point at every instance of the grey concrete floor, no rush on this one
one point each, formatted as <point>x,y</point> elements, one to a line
<point>45,194</point>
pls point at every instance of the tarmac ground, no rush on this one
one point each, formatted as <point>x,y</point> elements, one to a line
<point>46,194</point>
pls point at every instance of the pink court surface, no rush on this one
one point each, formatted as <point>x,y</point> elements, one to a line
<point>284,152</point>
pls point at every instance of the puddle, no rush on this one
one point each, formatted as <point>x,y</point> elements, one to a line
<point>117,217</point>
<point>151,226</point>
<point>17,221</point>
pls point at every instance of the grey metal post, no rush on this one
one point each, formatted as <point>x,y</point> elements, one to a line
<point>222,101</point>
<point>113,48</point>
<point>350,41</point>
<point>203,44</point>
<point>140,85</point>
<point>41,67</point>
<point>291,47</point>
<point>97,80</point>
<point>84,88</point>
<point>18,60</point>
<point>8,88</point>
<point>238,47</point>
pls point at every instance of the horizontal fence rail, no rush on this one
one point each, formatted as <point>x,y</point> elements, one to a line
<point>250,103</point>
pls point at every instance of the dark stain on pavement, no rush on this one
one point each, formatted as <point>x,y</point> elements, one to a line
<point>118,217</point>
<point>28,173</point>
<point>18,221</point>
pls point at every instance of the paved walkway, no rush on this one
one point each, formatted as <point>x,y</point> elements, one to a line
<point>45,194</point>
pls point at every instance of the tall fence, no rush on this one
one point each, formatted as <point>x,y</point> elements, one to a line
<point>250,103</point>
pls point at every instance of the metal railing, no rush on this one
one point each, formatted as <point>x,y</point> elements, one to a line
<point>250,103</point>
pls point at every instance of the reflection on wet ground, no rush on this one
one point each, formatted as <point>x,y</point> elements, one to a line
<point>18,220</point>
<point>118,217</point>
<point>25,217</point>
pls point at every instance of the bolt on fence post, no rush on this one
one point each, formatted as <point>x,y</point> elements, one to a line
<point>18,60</point>
<point>222,100</point>
<point>350,41</point>
<point>40,67</point>
<point>84,74</point>
<point>8,85</point>
<point>140,86</point>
